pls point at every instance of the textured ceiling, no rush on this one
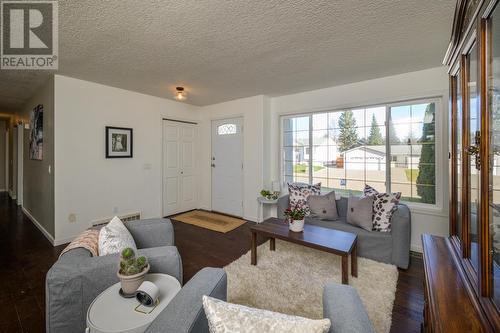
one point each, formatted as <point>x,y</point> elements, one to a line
<point>223,50</point>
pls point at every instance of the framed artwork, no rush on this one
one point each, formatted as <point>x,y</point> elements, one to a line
<point>119,142</point>
<point>36,133</point>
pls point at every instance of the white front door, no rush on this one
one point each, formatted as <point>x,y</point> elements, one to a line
<point>179,182</point>
<point>227,166</point>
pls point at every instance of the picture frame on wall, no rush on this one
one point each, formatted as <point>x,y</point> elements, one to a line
<point>119,142</point>
<point>36,133</point>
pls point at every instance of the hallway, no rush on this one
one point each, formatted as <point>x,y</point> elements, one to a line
<point>25,257</point>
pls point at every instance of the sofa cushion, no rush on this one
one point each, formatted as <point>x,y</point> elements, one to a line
<point>299,192</point>
<point>323,206</point>
<point>227,317</point>
<point>360,211</point>
<point>371,244</point>
<point>342,206</point>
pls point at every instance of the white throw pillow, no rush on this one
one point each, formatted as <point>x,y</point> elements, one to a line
<point>114,237</point>
<point>226,317</point>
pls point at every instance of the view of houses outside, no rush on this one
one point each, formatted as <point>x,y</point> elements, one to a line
<point>347,149</point>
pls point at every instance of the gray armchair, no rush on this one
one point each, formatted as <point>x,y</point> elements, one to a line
<point>185,314</point>
<point>342,305</point>
<point>77,278</point>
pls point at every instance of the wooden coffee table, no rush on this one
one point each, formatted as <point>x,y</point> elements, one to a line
<point>334,241</point>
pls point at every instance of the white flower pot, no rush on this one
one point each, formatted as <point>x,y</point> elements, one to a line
<point>296,225</point>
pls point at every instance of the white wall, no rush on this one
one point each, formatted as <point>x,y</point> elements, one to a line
<point>87,184</point>
<point>38,182</point>
<point>252,110</point>
<point>426,83</point>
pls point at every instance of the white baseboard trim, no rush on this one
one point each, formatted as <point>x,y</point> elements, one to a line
<point>39,226</point>
<point>251,219</point>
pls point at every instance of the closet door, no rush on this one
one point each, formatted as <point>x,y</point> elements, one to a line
<point>179,179</point>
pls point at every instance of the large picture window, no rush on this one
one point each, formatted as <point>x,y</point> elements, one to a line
<point>390,147</point>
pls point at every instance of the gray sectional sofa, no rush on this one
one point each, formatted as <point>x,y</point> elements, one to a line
<point>388,247</point>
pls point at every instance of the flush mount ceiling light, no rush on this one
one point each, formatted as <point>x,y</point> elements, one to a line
<point>180,93</point>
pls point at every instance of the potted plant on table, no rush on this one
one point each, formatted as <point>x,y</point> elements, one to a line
<point>295,216</point>
<point>132,271</point>
<point>268,195</point>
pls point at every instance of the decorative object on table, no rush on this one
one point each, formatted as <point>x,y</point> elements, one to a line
<point>114,237</point>
<point>36,133</point>
<point>295,216</point>
<point>384,205</point>
<point>274,195</point>
<point>228,317</point>
<point>323,206</point>
<point>299,192</point>
<point>147,293</point>
<point>119,142</point>
<point>132,271</point>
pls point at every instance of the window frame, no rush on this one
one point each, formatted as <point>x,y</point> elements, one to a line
<point>425,208</point>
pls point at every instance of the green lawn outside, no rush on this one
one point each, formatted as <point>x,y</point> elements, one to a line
<point>411,175</point>
<point>302,168</point>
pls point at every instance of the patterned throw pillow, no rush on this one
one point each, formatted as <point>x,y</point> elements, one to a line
<point>226,317</point>
<point>384,205</point>
<point>299,192</point>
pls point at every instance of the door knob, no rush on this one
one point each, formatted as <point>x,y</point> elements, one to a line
<point>213,165</point>
<point>474,150</point>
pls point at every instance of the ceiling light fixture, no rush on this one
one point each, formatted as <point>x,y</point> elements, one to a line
<point>180,93</point>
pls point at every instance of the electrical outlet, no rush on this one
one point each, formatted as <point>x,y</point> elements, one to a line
<point>72,218</point>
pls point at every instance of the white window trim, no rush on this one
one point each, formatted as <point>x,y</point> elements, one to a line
<point>436,209</point>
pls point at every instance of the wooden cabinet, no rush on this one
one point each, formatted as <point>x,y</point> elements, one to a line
<point>463,270</point>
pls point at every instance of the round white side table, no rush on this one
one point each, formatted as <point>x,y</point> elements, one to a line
<point>263,201</point>
<point>109,312</point>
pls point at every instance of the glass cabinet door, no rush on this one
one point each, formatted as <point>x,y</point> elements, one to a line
<point>473,162</point>
<point>458,152</point>
<point>493,65</point>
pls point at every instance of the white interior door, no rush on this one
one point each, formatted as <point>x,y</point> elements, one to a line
<point>178,167</point>
<point>227,166</point>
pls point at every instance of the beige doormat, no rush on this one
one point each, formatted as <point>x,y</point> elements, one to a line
<point>290,280</point>
<point>209,220</point>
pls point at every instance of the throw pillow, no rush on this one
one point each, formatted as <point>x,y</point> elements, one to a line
<point>225,317</point>
<point>384,205</point>
<point>360,212</point>
<point>323,206</point>
<point>114,237</point>
<point>299,192</point>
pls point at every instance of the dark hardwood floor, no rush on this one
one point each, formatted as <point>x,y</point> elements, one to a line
<point>26,255</point>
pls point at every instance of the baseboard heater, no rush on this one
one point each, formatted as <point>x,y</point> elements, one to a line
<point>124,218</point>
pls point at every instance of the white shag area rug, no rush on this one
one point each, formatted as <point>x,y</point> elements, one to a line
<point>291,279</point>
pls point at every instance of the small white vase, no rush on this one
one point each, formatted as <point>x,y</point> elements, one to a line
<point>296,225</point>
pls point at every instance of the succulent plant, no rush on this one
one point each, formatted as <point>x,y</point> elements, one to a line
<point>129,264</point>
